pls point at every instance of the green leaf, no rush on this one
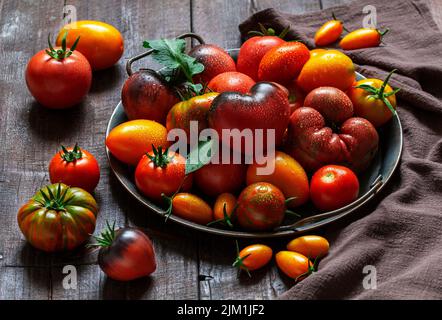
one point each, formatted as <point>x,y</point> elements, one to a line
<point>199,156</point>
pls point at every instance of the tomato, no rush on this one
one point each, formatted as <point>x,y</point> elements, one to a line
<point>125,254</point>
<point>58,218</point>
<point>129,141</point>
<point>214,179</point>
<point>329,32</point>
<point>294,264</point>
<point>231,81</point>
<point>251,53</point>
<point>362,38</point>
<point>58,78</point>
<point>288,176</point>
<point>193,109</point>
<point>329,69</point>
<point>333,187</point>
<point>101,43</point>
<point>316,52</point>
<point>261,206</point>
<point>160,172</point>
<point>310,246</point>
<point>225,202</point>
<point>253,257</point>
<point>192,208</point>
<point>283,63</point>
<point>374,100</point>
<point>75,167</point>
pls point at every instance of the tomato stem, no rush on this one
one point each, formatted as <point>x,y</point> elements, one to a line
<point>268,31</point>
<point>106,237</point>
<point>71,156</point>
<point>239,262</point>
<point>227,219</point>
<point>160,159</point>
<point>62,53</point>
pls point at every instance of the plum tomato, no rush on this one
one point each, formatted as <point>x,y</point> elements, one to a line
<point>191,207</point>
<point>294,265</point>
<point>283,63</point>
<point>75,167</point>
<point>253,257</point>
<point>101,43</point>
<point>160,172</point>
<point>59,78</point>
<point>288,176</point>
<point>231,81</point>
<point>125,254</point>
<point>225,204</point>
<point>362,38</point>
<point>215,60</point>
<point>333,187</point>
<point>261,206</point>
<point>311,246</point>
<point>329,32</point>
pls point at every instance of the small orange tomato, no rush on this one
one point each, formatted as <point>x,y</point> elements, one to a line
<point>191,207</point>
<point>224,199</point>
<point>294,264</point>
<point>328,33</point>
<point>101,43</point>
<point>315,52</point>
<point>362,38</point>
<point>310,246</point>
<point>253,257</point>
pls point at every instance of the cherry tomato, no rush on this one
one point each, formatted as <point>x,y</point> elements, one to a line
<point>333,187</point>
<point>192,207</point>
<point>294,264</point>
<point>374,100</point>
<point>125,254</point>
<point>101,43</point>
<point>160,172</point>
<point>329,32</point>
<point>310,246</point>
<point>316,52</point>
<point>75,167</point>
<point>231,81</point>
<point>261,206</point>
<point>253,257</point>
<point>224,202</point>
<point>362,38</point>
<point>58,78</point>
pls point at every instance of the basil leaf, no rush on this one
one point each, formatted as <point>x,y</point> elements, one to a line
<point>199,156</point>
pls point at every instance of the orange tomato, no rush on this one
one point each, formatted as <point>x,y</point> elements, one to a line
<point>329,69</point>
<point>328,33</point>
<point>310,246</point>
<point>288,176</point>
<point>129,141</point>
<point>253,257</point>
<point>294,264</point>
<point>191,207</point>
<point>224,199</point>
<point>362,38</point>
<point>101,43</point>
<point>315,52</point>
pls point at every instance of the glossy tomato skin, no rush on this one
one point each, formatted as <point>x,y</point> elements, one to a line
<point>101,43</point>
<point>292,264</point>
<point>224,199</point>
<point>58,84</point>
<point>283,63</point>
<point>333,187</point>
<point>255,256</point>
<point>82,173</point>
<point>214,179</point>
<point>252,51</point>
<point>215,60</point>
<point>261,206</point>
<point>153,180</point>
<point>146,96</point>
<point>310,246</point>
<point>371,108</point>
<point>231,81</point>
<point>58,229</point>
<point>361,38</point>
<point>191,207</point>
<point>328,33</point>
<point>130,256</point>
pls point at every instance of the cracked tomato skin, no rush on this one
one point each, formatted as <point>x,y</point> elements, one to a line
<point>314,145</point>
<point>50,229</point>
<point>261,206</point>
<point>252,51</point>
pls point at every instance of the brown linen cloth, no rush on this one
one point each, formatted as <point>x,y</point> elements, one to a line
<point>400,233</point>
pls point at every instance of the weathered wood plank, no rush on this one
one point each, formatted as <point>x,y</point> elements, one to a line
<point>24,283</point>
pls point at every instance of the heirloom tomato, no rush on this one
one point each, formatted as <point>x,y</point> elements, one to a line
<point>231,81</point>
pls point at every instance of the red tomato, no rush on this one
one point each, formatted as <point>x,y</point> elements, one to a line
<point>333,187</point>
<point>252,51</point>
<point>60,79</point>
<point>231,81</point>
<point>160,172</point>
<point>76,168</point>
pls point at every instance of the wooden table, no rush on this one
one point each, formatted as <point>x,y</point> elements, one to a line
<point>191,265</point>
